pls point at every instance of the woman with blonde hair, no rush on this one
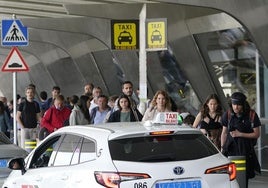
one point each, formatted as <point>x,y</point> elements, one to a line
<point>160,103</point>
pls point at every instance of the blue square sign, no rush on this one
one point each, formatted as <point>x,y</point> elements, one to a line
<point>14,33</point>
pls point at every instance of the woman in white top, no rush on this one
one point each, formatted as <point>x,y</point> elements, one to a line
<point>160,103</point>
<point>80,113</point>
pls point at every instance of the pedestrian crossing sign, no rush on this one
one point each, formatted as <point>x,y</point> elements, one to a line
<point>14,33</point>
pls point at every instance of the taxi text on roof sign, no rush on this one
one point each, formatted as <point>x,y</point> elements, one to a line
<point>167,118</point>
<point>156,34</point>
<point>124,34</point>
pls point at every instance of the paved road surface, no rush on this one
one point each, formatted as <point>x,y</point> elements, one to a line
<point>257,182</point>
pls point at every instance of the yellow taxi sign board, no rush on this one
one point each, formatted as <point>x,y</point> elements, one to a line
<point>156,34</point>
<point>125,34</point>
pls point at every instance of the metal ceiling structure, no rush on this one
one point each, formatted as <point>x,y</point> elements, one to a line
<point>70,40</point>
<point>49,8</point>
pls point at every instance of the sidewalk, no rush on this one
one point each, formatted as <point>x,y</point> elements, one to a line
<point>260,181</point>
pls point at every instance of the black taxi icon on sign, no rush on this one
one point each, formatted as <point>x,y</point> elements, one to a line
<point>156,36</point>
<point>125,36</point>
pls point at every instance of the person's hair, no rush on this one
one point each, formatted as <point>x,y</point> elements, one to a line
<point>30,88</point>
<point>103,96</point>
<point>18,96</point>
<point>113,98</point>
<point>74,99</point>
<point>83,106</point>
<point>2,107</point>
<point>43,95</point>
<point>167,98</point>
<point>205,109</point>
<point>126,82</point>
<point>32,85</point>
<point>90,84</point>
<point>96,88</point>
<point>60,98</point>
<point>189,119</point>
<point>56,88</point>
<point>123,96</point>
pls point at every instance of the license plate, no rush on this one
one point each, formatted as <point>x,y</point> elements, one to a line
<point>3,163</point>
<point>179,184</point>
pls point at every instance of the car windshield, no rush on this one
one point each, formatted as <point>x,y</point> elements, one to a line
<point>4,139</point>
<point>162,148</point>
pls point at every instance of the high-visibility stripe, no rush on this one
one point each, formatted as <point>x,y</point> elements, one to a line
<point>240,164</point>
<point>240,168</point>
<point>49,149</point>
<point>30,142</point>
<point>239,161</point>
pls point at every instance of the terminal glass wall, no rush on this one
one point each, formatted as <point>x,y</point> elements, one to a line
<point>175,82</point>
<point>235,60</point>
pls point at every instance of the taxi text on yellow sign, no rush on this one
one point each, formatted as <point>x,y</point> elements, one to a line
<point>125,34</point>
<point>156,33</point>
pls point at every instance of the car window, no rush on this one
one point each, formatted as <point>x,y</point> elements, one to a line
<point>68,152</point>
<point>88,151</point>
<point>162,148</point>
<point>74,149</point>
<point>43,155</point>
<point>76,152</point>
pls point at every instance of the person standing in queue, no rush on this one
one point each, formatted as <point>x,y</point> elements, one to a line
<point>209,119</point>
<point>160,103</point>
<point>55,117</point>
<point>127,89</point>
<point>28,115</point>
<point>99,113</point>
<point>77,116</point>
<point>241,128</point>
<point>50,101</point>
<point>125,112</point>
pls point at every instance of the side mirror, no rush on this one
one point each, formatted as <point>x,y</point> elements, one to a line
<point>17,164</point>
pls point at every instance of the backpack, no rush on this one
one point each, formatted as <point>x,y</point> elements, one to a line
<point>251,118</point>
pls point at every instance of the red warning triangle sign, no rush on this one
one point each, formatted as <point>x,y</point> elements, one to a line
<point>14,62</point>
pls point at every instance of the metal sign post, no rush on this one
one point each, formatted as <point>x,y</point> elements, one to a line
<point>15,107</point>
<point>258,96</point>
<point>143,57</point>
<point>14,34</point>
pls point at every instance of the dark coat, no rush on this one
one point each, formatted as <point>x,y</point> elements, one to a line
<point>115,116</point>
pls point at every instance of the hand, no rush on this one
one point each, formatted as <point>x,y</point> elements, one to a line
<point>236,133</point>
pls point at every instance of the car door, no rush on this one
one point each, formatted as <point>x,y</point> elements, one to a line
<point>38,166</point>
<point>51,165</point>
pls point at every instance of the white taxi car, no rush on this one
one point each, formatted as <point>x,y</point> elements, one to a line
<point>125,155</point>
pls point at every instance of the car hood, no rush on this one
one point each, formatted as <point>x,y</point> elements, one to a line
<point>11,151</point>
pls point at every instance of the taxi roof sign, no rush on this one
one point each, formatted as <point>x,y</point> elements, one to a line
<point>168,118</point>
